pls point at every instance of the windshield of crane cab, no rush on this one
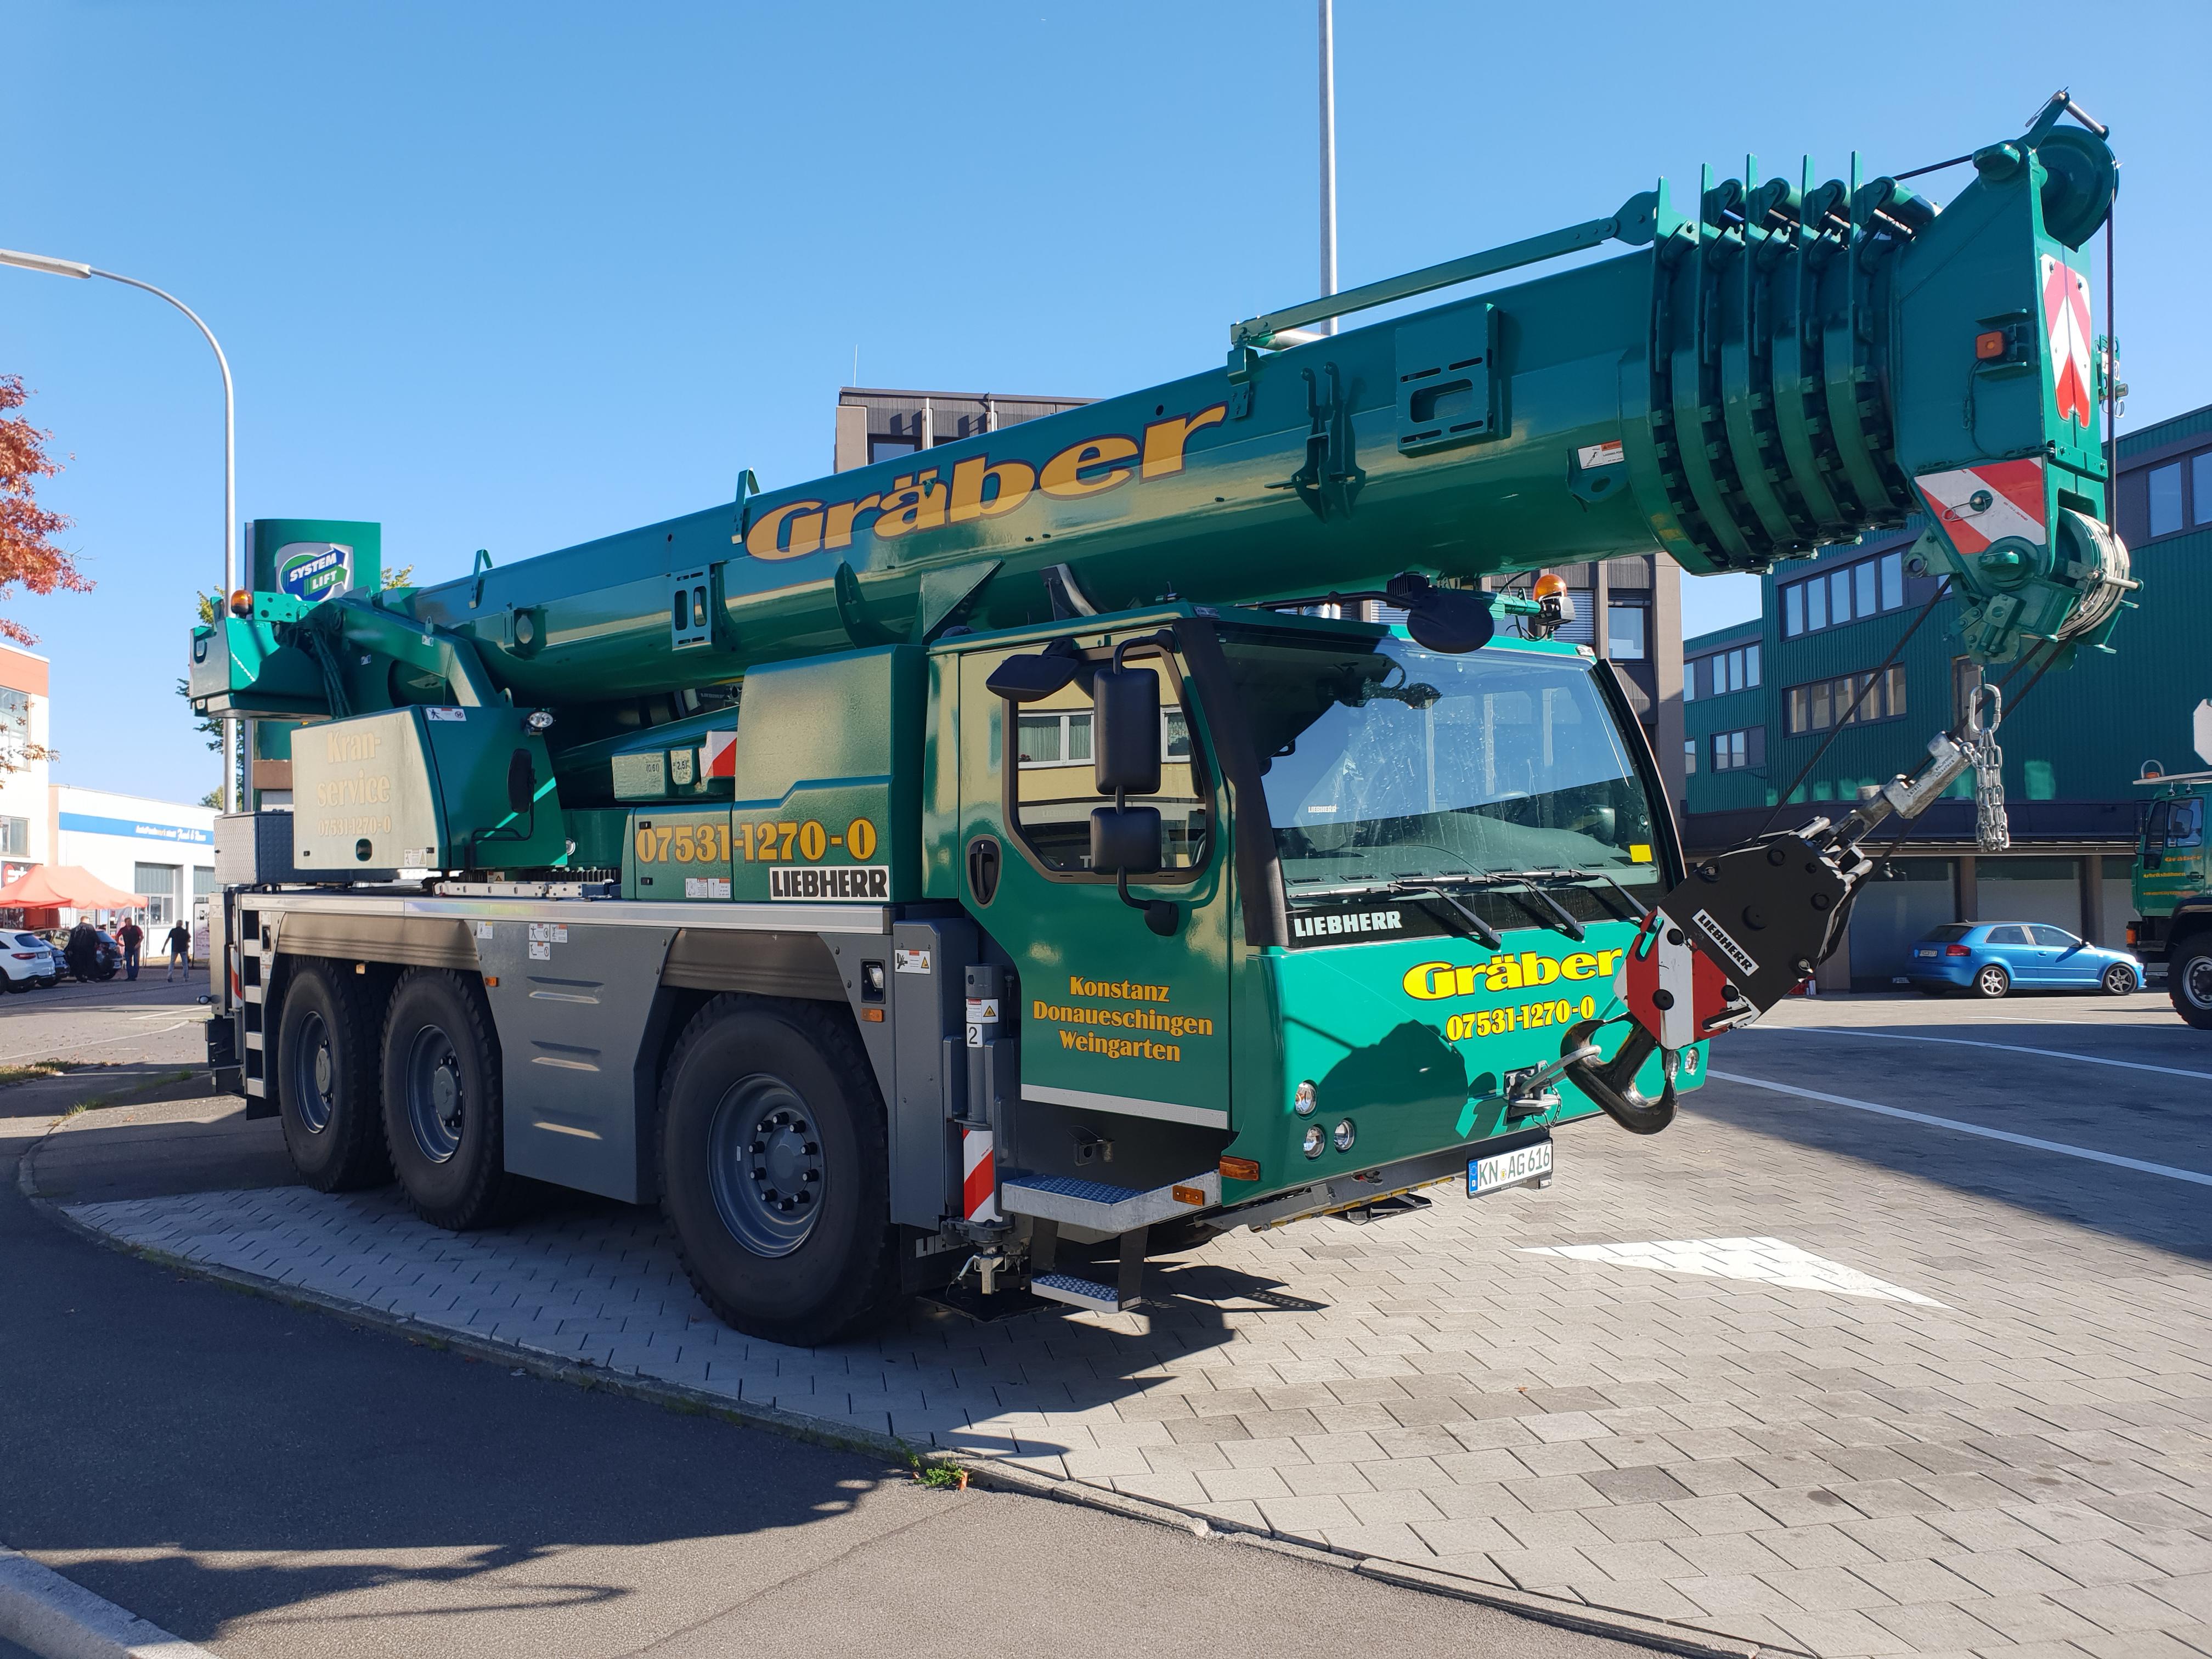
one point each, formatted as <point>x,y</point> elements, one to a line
<point>1392,762</point>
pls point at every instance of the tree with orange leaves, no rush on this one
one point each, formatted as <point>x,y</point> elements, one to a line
<point>27,553</point>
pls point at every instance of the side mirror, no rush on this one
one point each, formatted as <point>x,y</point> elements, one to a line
<point>1125,737</point>
<point>1451,620</point>
<point>1127,841</point>
<point>1031,679</point>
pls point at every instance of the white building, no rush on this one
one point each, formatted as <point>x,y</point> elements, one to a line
<point>25,830</point>
<point>155,848</point>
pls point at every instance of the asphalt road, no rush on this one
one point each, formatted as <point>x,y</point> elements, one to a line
<point>2092,1077</point>
<point>267,1481</point>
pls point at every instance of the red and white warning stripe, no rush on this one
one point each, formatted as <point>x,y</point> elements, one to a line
<point>2066,322</point>
<point>1674,989</point>
<point>721,756</point>
<point>1978,505</point>
<point>979,1176</point>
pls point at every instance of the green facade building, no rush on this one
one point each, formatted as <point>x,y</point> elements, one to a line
<point>1760,696</point>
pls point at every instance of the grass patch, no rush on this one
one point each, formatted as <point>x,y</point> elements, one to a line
<point>33,1069</point>
<point>937,1476</point>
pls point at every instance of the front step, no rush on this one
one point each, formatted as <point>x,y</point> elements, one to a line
<point>1102,1207</point>
<point>1081,1293</point>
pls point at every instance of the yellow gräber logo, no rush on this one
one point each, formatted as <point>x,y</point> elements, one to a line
<point>1433,982</point>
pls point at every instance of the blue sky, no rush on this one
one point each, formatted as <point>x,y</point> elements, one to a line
<point>511,277</point>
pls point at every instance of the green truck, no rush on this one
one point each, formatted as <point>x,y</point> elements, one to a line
<point>2172,886</point>
<point>973,873</point>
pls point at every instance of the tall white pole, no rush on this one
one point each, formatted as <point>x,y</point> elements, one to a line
<point>1327,155</point>
<point>77,269</point>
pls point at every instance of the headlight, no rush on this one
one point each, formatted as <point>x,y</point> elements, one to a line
<point>1345,1135</point>
<point>1313,1141</point>
<point>1306,1099</point>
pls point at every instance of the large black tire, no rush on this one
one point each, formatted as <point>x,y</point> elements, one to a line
<point>1991,981</point>
<point>328,1073</point>
<point>442,1103</point>
<point>774,1171</point>
<point>2189,982</point>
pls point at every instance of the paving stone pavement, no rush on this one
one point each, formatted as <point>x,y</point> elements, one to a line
<point>1817,1403</point>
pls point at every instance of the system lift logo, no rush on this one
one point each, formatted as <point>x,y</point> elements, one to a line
<point>314,570</point>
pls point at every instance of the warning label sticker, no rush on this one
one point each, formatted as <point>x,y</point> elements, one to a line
<point>1610,453</point>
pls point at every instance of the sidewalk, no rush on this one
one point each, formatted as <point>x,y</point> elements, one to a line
<point>1725,1376</point>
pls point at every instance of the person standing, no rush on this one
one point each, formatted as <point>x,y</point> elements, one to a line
<point>181,952</point>
<point>131,938</point>
<point>81,952</point>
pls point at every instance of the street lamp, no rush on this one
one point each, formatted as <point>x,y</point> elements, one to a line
<point>72,268</point>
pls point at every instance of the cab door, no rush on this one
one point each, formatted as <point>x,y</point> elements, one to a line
<point>1113,1017</point>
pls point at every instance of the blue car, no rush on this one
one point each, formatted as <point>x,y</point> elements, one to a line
<point>1992,958</point>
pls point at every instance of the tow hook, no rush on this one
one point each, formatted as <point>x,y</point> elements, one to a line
<point>1612,1084</point>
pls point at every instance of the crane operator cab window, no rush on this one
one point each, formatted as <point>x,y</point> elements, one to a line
<point>1054,773</point>
<point>1391,766</point>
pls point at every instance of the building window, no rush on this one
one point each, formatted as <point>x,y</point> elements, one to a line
<point>204,884</point>
<point>2200,487</point>
<point>1731,671</point>
<point>1689,758</point>
<point>157,884</point>
<point>1827,703</point>
<point>1624,632</point>
<point>15,837</point>
<point>15,725</point>
<point>1056,739</point>
<point>1735,750</point>
<point>889,449</point>
<point>1690,679</point>
<point>2165,499</point>
<point>1866,588</point>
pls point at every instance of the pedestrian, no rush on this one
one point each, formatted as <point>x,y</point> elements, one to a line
<point>181,952</point>
<point>81,952</point>
<point>130,936</point>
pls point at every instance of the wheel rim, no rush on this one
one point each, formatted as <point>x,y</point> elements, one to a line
<point>2119,982</point>
<point>1993,981</point>
<point>765,1165</point>
<point>2196,982</point>
<point>436,1102</point>
<point>314,1074</point>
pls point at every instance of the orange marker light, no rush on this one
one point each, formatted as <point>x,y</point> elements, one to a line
<point>241,602</point>
<point>1189,1195</point>
<point>1240,1168</point>
<point>1988,345</point>
<point>1550,585</point>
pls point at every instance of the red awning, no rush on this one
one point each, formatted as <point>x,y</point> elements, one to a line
<point>69,885</point>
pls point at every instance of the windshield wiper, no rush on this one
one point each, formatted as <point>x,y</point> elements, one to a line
<point>1480,931</point>
<point>1560,916</point>
<point>1637,908</point>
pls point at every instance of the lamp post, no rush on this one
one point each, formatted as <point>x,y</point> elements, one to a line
<point>73,268</point>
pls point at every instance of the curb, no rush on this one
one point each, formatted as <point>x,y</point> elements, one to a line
<point>56,1618</point>
<point>1666,1636</point>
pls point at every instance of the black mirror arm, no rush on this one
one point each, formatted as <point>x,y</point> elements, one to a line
<point>1161,917</point>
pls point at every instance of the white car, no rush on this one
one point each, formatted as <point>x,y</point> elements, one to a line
<point>27,961</point>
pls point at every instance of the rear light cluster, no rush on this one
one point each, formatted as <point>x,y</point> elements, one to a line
<point>1957,950</point>
<point>28,956</point>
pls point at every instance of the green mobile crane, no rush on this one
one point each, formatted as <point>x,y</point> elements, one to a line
<point>2172,886</point>
<point>973,872</point>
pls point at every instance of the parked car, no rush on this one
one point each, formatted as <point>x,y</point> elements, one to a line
<point>28,961</point>
<point>107,954</point>
<point>1993,958</point>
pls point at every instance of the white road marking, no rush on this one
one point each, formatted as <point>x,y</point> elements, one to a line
<point>1769,1261</point>
<point>2007,1048</point>
<point>1987,1133</point>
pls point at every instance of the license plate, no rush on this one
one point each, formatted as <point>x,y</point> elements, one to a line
<point>1923,953</point>
<point>1514,1168</point>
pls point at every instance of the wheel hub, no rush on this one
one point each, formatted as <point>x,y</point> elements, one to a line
<point>437,1103</point>
<point>315,1075</point>
<point>2197,983</point>
<point>765,1165</point>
